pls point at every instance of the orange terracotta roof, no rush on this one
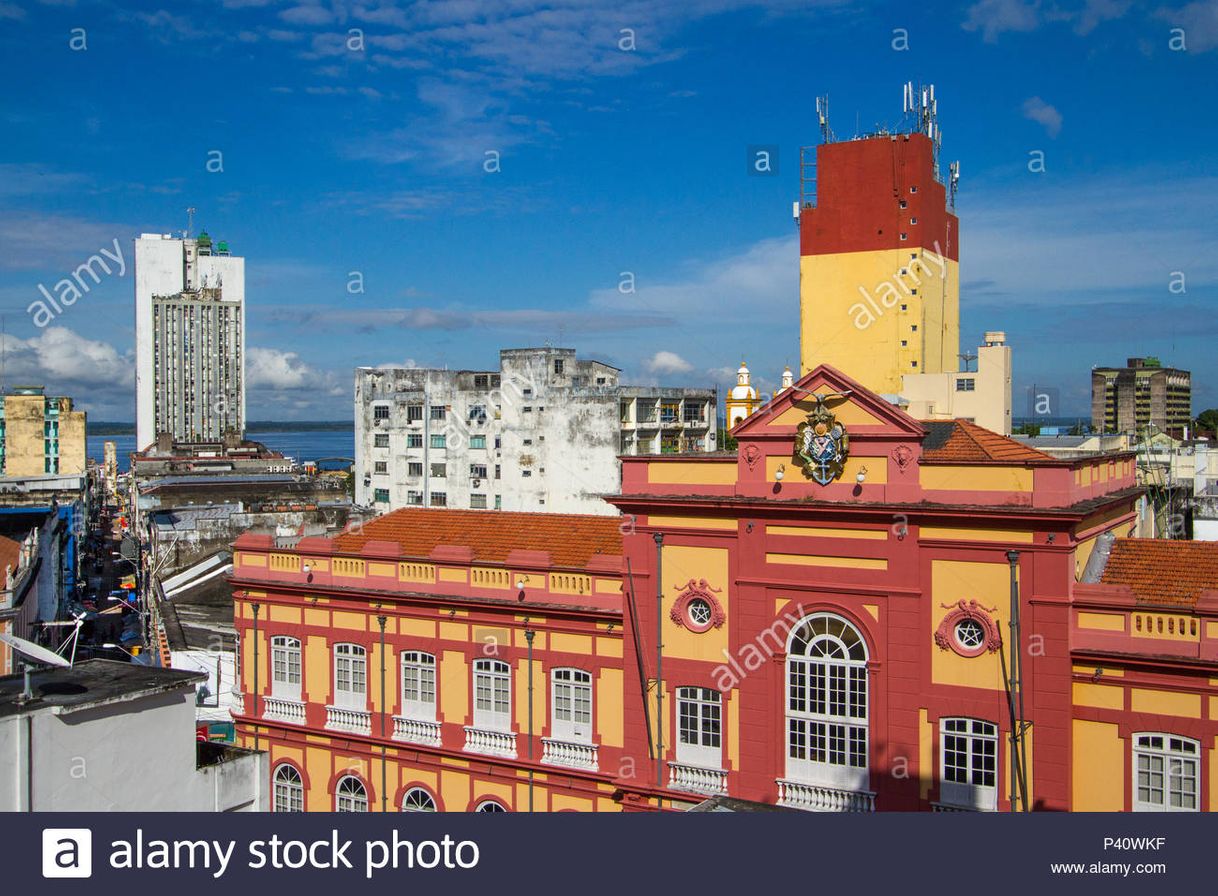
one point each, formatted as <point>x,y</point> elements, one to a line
<point>10,555</point>
<point>1159,571</point>
<point>958,440</point>
<point>571,539</point>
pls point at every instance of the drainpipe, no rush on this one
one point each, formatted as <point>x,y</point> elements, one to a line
<point>256,607</point>
<point>659,540</point>
<point>529,634</point>
<point>380,620</point>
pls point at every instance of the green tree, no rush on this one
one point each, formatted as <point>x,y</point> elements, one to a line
<point>1208,419</point>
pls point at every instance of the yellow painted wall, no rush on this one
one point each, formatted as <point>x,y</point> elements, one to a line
<point>877,468</point>
<point>687,473</point>
<point>964,533</point>
<point>609,711</point>
<point>955,580</point>
<point>1165,703</point>
<point>928,773</point>
<point>454,687</point>
<point>565,642</point>
<point>317,668</point>
<point>1097,768</point>
<point>541,697</point>
<point>681,564</point>
<point>825,532</point>
<point>691,522</point>
<point>821,560</point>
<point>1107,622</point>
<point>847,412</point>
<point>832,332</point>
<point>981,478</point>
<point>1102,696</point>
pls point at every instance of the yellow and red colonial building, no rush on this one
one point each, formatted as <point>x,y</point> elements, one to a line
<point>827,611</point>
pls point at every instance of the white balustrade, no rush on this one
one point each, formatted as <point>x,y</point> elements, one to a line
<point>416,731</point>
<point>818,798</point>
<point>696,779</point>
<point>572,755</point>
<point>494,743</point>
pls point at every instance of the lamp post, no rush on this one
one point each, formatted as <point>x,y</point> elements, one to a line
<point>380,620</point>
<point>256,607</point>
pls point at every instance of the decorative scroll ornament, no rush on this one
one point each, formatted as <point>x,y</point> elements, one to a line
<point>904,454</point>
<point>822,444</point>
<point>697,608</point>
<point>968,629</point>
<point>751,455</point>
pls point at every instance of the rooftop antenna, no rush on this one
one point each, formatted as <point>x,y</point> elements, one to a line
<point>32,656</point>
<point>822,116</point>
<point>920,103</point>
<point>953,181</point>
<point>190,221</point>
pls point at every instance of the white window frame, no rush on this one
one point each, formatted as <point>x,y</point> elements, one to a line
<point>1175,760</point>
<point>350,795</point>
<point>350,665</point>
<point>832,717</point>
<point>699,727</point>
<point>288,791</point>
<point>976,740</point>
<point>418,682</point>
<point>492,695</point>
<point>571,702</point>
<point>490,806</point>
<point>416,799</point>
<point>285,667</point>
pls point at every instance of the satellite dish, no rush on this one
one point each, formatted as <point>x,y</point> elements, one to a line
<point>35,652</point>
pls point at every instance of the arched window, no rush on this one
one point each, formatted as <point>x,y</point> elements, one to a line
<point>289,790</point>
<point>1166,773</point>
<point>419,686</point>
<point>350,795</point>
<point>827,704</point>
<point>572,716</point>
<point>418,800</point>
<point>285,668</point>
<point>490,806</point>
<point>492,695</point>
<point>350,676</point>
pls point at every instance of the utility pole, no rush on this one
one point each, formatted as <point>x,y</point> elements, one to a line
<point>529,634</point>
<point>659,540</point>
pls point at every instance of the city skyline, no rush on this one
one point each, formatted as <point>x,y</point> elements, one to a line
<point>357,148</point>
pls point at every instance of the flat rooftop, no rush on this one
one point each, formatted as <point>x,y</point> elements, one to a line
<point>90,683</point>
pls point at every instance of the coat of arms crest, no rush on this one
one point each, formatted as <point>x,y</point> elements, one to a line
<point>822,444</point>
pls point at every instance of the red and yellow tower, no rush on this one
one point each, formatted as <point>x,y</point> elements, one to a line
<point>879,250</point>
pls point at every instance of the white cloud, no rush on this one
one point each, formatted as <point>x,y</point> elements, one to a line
<point>279,371</point>
<point>994,17</point>
<point>1199,21</point>
<point>1043,114</point>
<point>668,362</point>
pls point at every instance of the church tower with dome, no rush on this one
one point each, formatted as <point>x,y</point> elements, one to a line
<point>743,399</point>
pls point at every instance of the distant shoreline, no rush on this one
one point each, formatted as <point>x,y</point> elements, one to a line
<point>108,428</point>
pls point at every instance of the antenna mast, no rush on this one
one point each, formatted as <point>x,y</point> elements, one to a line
<point>190,221</point>
<point>922,105</point>
<point>822,115</point>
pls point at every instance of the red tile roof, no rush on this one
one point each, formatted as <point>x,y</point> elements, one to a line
<point>570,539</point>
<point>10,555</point>
<point>1159,571</point>
<point>953,441</point>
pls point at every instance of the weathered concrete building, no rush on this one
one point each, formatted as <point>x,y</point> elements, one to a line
<point>40,434</point>
<point>1143,393</point>
<point>189,338</point>
<point>541,433</point>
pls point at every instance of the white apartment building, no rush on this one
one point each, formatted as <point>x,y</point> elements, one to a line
<point>189,339</point>
<point>541,433</point>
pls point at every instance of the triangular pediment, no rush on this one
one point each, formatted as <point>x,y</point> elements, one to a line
<point>857,408</point>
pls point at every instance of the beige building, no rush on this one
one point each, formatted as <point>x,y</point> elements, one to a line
<point>40,434</point>
<point>982,396</point>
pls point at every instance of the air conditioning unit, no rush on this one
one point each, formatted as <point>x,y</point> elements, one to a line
<point>477,482</point>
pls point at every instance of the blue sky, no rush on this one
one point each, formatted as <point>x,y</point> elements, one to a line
<point>354,137</point>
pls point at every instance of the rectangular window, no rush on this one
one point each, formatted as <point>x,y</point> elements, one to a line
<point>482,381</point>
<point>381,440</point>
<point>572,700</point>
<point>414,468</point>
<point>1166,773</point>
<point>438,412</point>
<point>968,751</point>
<point>526,473</point>
<point>492,695</point>
<point>380,466</point>
<point>477,502</point>
<point>419,686</point>
<point>438,440</point>
<point>285,668</point>
<point>699,727</point>
<point>380,496</point>
<point>477,441</point>
<point>498,471</point>
<point>439,499</point>
<point>692,412</point>
<point>414,413</point>
<point>477,413</point>
<point>414,440</point>
<point>439,471</point>
<point>477,471</point>
<point>415,499</point>
<point>350,677</point>
<point>559,364</point>
<point>966,384</point>
<point>380,412</point>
